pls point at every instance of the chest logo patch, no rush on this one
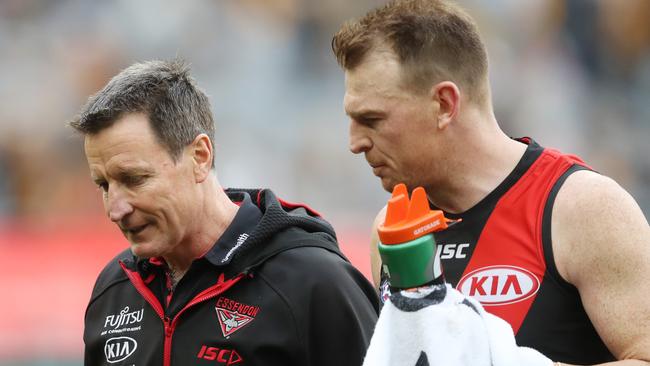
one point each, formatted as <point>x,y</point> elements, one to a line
<point>119,348</point>
<point>499,285</point>
<point>234,315</point>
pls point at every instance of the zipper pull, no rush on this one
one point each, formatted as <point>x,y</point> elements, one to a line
<point>168,327</point>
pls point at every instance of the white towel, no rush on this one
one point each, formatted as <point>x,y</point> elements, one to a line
<point>438,325</point>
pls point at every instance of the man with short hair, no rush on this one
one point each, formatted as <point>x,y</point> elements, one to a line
<point>212,276</point>
<point>554,248</point>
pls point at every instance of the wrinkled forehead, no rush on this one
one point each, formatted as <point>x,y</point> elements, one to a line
<point>127,143</point>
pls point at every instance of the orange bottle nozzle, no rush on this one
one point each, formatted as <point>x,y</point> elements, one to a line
<point>406,219</point>
<point>398,205</point>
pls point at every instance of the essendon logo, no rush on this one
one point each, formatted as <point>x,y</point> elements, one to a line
<point>119,348</point>
<point>499,285</point>
<point>223,356</point>
<point>233,315</point>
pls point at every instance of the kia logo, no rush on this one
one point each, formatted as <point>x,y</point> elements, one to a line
<point>119,348</point>
<point>499,285</point>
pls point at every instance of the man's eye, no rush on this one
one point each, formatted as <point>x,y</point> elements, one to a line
<point>369,121</point>
<point>103,186</point>
<point>134,180</point>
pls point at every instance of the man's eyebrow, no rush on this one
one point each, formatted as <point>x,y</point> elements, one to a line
<point>364,113</point>
<point>123,171</point>
<point>135,170</point>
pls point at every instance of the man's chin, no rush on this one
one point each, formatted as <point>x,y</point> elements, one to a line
<point>143,250</point>
<point>388,184</point>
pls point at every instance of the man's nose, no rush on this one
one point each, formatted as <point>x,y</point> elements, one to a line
<point>117,205</point>
<point>359,140</point>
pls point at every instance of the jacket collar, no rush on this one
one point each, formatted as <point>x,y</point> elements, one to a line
<point>241,228</point>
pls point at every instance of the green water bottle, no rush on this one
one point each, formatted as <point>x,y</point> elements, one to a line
<point>407,246</point>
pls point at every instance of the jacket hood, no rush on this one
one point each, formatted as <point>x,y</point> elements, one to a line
<point>271,234</point>
<point>279,214</point>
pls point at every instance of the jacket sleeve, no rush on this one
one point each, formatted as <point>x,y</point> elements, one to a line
<point>334,305</point>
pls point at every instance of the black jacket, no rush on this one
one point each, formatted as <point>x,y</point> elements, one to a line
<point>274,290</point>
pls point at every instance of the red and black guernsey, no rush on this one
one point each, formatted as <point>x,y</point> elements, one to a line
<point>501,254</point>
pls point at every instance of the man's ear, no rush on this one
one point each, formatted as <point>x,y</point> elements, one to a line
<point>447,94</point>
<point>201,153</point>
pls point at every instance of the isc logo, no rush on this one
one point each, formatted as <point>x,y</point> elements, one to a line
<point>119,348</point>
<point>449,250</point>
<point>223,356</point>
<point>499,285</point>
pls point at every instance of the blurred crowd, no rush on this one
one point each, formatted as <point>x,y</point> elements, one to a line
<point>573,74</point>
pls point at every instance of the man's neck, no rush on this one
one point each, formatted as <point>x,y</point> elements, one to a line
<point>175,275</point>
<point>478,170</point>
<point>212,220</point>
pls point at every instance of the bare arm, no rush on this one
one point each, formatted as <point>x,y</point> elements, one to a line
<point>601,244</point>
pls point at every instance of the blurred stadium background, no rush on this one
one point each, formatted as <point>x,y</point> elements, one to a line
<point>574,74</point>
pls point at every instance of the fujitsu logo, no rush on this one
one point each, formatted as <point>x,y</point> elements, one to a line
<point>124,318</point>
<point>499,285</point>
<point>233,315</point>
<point>119,348</point>
<point>242,238</point>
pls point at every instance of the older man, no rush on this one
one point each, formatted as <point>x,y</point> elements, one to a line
<point>212,276</point>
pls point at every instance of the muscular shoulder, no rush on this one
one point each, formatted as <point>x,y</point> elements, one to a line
<point>595,222</point>
<point>601,242</point>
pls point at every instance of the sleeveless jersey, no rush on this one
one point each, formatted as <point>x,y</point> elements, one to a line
<point>501,254</point>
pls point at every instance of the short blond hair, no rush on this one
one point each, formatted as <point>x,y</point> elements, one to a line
<point>434,40</point>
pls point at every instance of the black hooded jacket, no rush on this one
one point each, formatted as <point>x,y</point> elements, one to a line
<point>274,290</point>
